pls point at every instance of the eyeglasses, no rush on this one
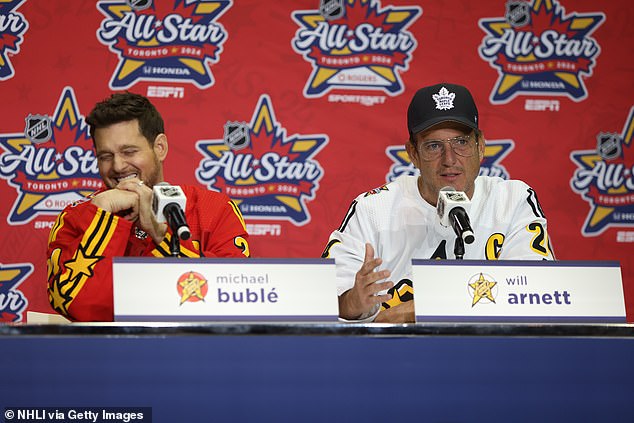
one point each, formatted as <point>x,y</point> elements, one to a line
<point>462,146</point>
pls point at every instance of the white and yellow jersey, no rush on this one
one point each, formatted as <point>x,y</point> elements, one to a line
<point>505,215</point>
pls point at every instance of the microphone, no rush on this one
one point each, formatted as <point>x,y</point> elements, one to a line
<point>168,203</point>
<point>452,210</point>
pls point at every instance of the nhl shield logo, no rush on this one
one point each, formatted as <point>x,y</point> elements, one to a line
<point>139,4</point>
<point>608,145</point>
<point>331,9</point>
<point>38,129</point>
<point>517,13</point>
<point>236,135</point>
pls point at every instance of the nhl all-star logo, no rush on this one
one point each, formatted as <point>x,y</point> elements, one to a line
<point>482,289</point>
<point>14,302</point>
<point>51,164</point>
<point>192,287</point>
<point>543,52</point>
<point>271,175</point>
<point>494,152</point>
<point>167,40</point>
<point>13,26</point>
<point>605,179</point>
<point>355,45</point>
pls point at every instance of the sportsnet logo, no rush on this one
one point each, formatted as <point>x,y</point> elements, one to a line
<point>12,29</point>
<point>171,41</point>
<point>51,164</point>
<point>355,45</point>
<point>605,179</point>
<point>537,49</point>
<point>494,153</point>
<point>13,302</point>
<point>267,173</point>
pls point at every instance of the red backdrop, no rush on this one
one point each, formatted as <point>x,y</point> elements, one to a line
<point>319,100</point>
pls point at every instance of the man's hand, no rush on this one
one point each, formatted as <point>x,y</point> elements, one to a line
<point>362,298</point>
<point>402,313</point>
<point>134,198</point>
<point>120,202</point>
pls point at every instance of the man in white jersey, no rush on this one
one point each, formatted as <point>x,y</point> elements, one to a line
<point>388,226</point>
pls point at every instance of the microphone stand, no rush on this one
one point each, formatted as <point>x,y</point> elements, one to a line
<point>458,248</point>
<point>175,247</point>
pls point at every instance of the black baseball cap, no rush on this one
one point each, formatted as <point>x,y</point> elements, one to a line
<point>440,103</point>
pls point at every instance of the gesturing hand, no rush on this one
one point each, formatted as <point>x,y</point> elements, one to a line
<point>119,202</point>
<point>144,217</point>
<point>132,200</point>
<point>362,298</point>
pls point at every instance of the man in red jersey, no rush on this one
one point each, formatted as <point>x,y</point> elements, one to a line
<point>130,144</point>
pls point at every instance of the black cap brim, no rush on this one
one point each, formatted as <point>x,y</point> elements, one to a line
<point>431,122</point>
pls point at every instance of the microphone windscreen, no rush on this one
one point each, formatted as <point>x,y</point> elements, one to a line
<point>449,198</point>
<point>164,194</point>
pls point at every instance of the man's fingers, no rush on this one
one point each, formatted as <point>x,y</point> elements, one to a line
<point>381,286</point>
<point>372,293</point>
<point>369,262</point>
<point>369,253</point>
<point>371,277</point>
<point>367,280</point>
<point>135,186</point>
<point>382,298</point>
<point>369,266</point>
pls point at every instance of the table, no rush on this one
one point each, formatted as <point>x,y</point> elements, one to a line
<point>317,372</point>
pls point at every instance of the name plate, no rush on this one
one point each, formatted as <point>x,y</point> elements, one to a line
<point>153,289</point>
<point>529,291</point>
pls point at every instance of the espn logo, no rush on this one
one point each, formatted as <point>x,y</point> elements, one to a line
<point>541,105</point>
<point>264,229</point>
<point>165,92</point>
<point>623,236</point>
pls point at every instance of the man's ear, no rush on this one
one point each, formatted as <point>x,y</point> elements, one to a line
<point>411,152</point>
<point>481,146</point>
<point>160,146</point>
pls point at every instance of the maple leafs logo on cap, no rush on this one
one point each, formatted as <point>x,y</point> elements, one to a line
<point>444,99</point>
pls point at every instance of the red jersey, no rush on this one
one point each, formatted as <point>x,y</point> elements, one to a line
<point>85,238</point>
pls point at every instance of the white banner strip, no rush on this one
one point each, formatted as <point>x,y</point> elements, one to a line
<point>150,289</point>
<point>539,291</point>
